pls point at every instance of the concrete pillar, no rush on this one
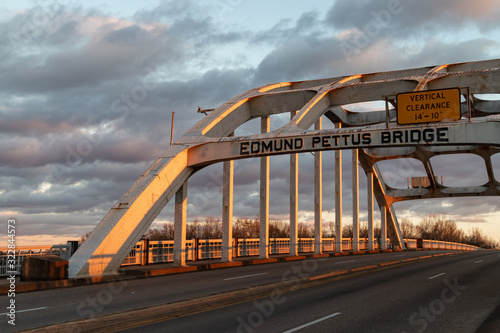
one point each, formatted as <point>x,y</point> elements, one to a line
<point>294,200</point>
<point>383,228</point>
<point>338,198</point>
<point>318,196</point>
<point>264,196</point>
<point>227,211</point>
<point>369,190</point>
<point>180,226</point>
<point>355,200</point>
<point>145,252</point>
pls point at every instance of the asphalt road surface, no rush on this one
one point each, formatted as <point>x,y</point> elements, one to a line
<point>454,293</point>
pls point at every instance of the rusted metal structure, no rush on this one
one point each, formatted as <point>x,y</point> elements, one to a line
<point>375,135</point>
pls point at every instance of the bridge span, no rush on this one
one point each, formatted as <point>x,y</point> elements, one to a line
<point>400,291</point>
<point>420,131</point>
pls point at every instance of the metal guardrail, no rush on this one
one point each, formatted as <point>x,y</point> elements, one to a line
<point>201,249</point>
<point>21,252</point>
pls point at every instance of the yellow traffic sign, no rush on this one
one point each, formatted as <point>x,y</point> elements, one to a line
<point>428,106</point>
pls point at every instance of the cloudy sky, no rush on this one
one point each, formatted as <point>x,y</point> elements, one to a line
<point>103,80</point>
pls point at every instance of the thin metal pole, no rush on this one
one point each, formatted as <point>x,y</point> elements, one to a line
<point>468,104</point>
<point>387,116</point>
<point>172,128</point>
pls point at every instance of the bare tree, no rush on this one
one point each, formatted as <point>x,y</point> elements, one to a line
<point>279,229</point>
<point>436,227</point>
<point>246,228</point>
<point>408,229</point>
<point>304,231</point>
<point>329,229</point>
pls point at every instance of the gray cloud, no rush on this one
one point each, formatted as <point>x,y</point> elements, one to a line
<point>403,18</point>
<point>86,97</point>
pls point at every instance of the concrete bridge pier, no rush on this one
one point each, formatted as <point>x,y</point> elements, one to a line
<point>369,186</point>
<point>383,227</point>
<point>355,200</point>
<point>180,225</point>
<point>227,211</point>
<point>338,197</point>
<point>318,195</point>
<point>294,199</point>
<point>264,196</point>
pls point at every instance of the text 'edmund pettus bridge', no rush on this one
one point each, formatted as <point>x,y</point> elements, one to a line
<point>351,140</point>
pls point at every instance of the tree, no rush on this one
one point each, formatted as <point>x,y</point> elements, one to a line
<point>347,231</point>
<point>279,229</point>
<point>408,229</point>
<point>246,228</point>
<point>304,231</point>
<point>434,227</point>
<point>84,237</point>
<point>329,229</point>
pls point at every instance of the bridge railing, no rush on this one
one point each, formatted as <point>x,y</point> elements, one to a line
<point>21,252</point>
<point>200,249</point>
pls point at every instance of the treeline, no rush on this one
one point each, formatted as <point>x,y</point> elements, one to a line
<point>433,227</point>
<point>438,227</point>
<point>211,228</point>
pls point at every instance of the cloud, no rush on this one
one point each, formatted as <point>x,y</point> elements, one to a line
<point>407,18</point>
<point>116,51</point>
<point>87,95</point>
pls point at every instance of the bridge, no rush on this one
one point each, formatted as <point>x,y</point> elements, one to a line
<point>469,124</point>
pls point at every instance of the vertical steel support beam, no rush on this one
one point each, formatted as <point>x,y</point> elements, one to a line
<point>338,198</point>
<point>294,199</point>
<point>369,190</point>
<point>227,211</point>
<point>264,196</point>
<point>383,227</point>
<point>180,226</point>
<point>318,195</point>
<point>355,200</point>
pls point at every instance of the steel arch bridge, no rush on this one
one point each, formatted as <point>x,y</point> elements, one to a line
<point>372,136</point>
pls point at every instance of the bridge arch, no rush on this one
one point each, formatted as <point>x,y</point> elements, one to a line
<point>374,135</point>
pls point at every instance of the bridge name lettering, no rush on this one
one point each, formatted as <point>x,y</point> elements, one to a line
<point>347,140</point>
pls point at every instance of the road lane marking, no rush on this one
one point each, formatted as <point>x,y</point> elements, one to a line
<point>435,276</point>
<point>17,311</point>
<point>344,262</point>
<point>400,255</point>
<point>243,276</point>
<point>312,322</point>
<point>477,262</point>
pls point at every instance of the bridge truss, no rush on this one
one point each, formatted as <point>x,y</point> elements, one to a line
<point>372,136</point>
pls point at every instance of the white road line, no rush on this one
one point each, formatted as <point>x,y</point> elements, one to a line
<point>401,255</point>
<point>243,276</point>
<point>477,262</point>
<point>344,262</point>
<point>435,276</point>
<point>312,323</point>
<point>17,311</point>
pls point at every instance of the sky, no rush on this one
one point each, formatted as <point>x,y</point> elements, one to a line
<point>104,79</point>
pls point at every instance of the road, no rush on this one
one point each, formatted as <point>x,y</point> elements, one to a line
<point>444,294</point>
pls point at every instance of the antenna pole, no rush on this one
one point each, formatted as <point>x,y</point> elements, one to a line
<point>172,128</point>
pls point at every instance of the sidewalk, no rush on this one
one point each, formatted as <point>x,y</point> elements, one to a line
<point>137,271</point>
